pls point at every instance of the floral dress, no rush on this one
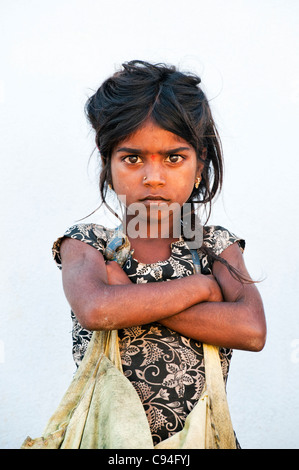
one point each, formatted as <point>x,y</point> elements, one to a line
<point>165,367</point>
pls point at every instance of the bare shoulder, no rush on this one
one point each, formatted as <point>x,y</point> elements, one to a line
<point>72,249</point>
<point>81,262</point>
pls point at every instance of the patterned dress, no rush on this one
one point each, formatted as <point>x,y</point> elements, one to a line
<point>166,368</point>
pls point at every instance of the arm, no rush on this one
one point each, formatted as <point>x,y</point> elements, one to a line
<point>238,322</point>
<point>99,305</point>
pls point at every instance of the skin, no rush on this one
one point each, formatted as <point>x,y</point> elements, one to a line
<point>154,162</point>
<point>215,309</point>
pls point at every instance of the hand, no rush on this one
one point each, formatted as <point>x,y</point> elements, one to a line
<point>116,276</point>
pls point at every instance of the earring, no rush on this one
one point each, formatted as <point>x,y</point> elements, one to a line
<point>198,180</point>
<point>110,186</point>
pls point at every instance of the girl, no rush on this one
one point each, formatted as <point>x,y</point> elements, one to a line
<point>160,149</point>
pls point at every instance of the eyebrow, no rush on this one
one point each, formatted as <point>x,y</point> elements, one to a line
<point>164,152</point>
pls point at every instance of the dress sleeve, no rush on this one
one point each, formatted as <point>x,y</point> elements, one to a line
<point>217,239</point>
<point>92,234</point>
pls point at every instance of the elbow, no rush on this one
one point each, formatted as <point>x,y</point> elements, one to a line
<point>257,340</point>
<point>93,320</point>
<point>84,317</point>
<point>258,334</point>
<point>254,328</point>
<point>86,320</point>
<point>93,316</point>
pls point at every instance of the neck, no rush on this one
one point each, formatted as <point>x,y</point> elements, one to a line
<point>151,250</point>
<point>151,242</point>
<point>165,229</point>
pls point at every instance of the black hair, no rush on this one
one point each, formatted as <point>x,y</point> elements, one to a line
<point>175,102</point>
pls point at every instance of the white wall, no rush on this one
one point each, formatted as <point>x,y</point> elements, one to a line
<point>53,53</point>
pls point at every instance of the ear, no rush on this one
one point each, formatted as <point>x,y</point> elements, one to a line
<point>200,163</point>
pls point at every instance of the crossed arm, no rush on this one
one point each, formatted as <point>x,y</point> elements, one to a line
<point>237,322</point>
<point>214,309</point>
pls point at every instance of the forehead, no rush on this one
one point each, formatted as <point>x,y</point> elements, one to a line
<point>152,136</point>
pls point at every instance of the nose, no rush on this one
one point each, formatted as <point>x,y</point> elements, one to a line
<point>154,175</point>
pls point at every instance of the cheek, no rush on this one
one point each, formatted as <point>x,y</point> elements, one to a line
<point>122,186</point>
<point>186,183</point>
<point>116,174</point>
<point>189,176</point>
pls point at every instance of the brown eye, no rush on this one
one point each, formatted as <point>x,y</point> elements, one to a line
<point>174,158</point>
<point>131,159</point>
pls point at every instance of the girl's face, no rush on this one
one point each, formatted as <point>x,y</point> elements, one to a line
<point>154,166</point>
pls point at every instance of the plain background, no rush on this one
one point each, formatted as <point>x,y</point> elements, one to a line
<point>54,54</point>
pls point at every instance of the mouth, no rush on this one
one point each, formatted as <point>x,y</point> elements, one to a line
<point>157,198</point>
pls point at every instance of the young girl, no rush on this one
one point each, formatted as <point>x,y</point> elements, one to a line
<point>159,149</point>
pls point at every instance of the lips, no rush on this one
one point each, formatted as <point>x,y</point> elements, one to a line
<point>152,197</point>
